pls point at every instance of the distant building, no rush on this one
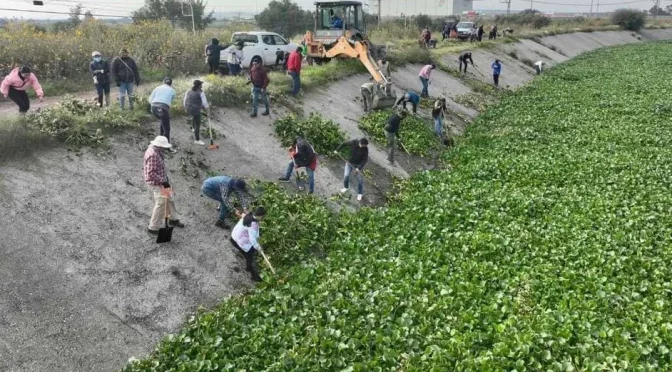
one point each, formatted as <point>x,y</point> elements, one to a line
<point>409,8</point>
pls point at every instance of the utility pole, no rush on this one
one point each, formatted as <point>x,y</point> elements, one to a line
<point>591,8</point>
<point>508,6</point>
<point>531,4</point>
<point>380,2</point>
<point>657,3</point>
<point>193,22</point>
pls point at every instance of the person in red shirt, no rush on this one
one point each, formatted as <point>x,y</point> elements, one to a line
<point>294,70</point>
<point>259,80</point>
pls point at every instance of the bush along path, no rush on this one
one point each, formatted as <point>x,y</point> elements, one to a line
<point>547,248</point>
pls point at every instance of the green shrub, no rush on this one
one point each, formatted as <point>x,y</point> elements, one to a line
<point>323,134</point>
<point>629,19</point>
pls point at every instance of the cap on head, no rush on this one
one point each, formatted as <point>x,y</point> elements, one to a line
<point>240,184</point>
<point>124,51</point>
<point>240,44</point>
<point>198,83</point>
<point>407,96</point>
<point>95,54</point>
<point>162,142</point>
<point>364,142</point>
<point>260,212</point>
<point>168,81</point>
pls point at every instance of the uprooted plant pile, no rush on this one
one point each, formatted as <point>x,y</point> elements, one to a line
<point>324,134</point>
<point>82,123</point>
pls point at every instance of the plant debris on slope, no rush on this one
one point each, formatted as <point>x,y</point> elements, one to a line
<point>415,133</point>
<point>81,123</point>
<point>323,134</point>
<point>546,248</point>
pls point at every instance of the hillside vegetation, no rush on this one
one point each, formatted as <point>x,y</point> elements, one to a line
<point>546,248</point>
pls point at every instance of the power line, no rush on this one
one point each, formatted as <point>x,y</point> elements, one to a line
<point>587,5</point>
<point>66,13</point>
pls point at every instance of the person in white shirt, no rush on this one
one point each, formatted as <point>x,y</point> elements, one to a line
<point>245,237</point>
<point>194,102</point>
<point>235,58</point>
<point>539,67</point>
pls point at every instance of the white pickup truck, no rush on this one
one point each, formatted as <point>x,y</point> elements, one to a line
<point>260,46</point>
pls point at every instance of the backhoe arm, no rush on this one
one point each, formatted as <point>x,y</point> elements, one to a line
<point>361,52</point>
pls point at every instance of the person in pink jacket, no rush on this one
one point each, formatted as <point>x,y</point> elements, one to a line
<point>15,84</point>
<point>424,78</point>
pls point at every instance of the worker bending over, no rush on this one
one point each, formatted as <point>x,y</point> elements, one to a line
<point>226,190</point>
<point>302,155</point>
<point>245,237</point>
<point>411,97</point>
<point>464,58</point>
<point>359,155</point>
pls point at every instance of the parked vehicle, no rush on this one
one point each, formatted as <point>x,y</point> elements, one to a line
<point>464,30</point>
<point>259,46</point>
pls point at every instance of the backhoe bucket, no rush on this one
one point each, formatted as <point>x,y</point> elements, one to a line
<point>383,101</point>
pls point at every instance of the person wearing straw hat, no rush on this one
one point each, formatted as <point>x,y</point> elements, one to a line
<point>245,238</point>
<point>156,178</point>
<point>125,73</point>
<point>194,103</point>
<point>100,70</point>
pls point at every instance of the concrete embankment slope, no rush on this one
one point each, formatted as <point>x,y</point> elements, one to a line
<point>83,286</point>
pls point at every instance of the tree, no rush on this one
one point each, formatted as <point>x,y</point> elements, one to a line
<point>422,21</point>
<point>285,18</point>
<point>88,15</point>
<point>658,11</point>
<point>172,10</point>
<point>74,15</point>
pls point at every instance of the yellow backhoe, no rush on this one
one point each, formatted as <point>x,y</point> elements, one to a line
<point>340,33</point>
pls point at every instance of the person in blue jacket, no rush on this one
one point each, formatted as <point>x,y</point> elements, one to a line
<point>336,21</point>
<point>228,192</point>
<point>411,97</point>
<point>496,70</point>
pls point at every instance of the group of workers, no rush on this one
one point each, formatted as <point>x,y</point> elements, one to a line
<point>227,191</point>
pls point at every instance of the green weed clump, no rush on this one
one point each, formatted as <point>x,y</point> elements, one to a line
<point>324,134</point>
<point>416,133</point>
<point>82,123</point>
<point>296,228</point>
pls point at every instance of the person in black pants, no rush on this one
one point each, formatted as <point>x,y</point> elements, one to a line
<point>15,84</point>
<point>245,238</point>
<point>464,58</point>
<point>213,52</point>
<point>100,70</point>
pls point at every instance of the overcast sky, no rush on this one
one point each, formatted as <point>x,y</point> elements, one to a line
<point>124,7</point>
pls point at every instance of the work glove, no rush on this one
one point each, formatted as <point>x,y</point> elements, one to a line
<point>166,185</point>
<point>335,152</point>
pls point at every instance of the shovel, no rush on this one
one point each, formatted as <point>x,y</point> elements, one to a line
<point>166,232</point>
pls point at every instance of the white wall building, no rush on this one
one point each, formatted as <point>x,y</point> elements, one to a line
<point>398,8</point>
